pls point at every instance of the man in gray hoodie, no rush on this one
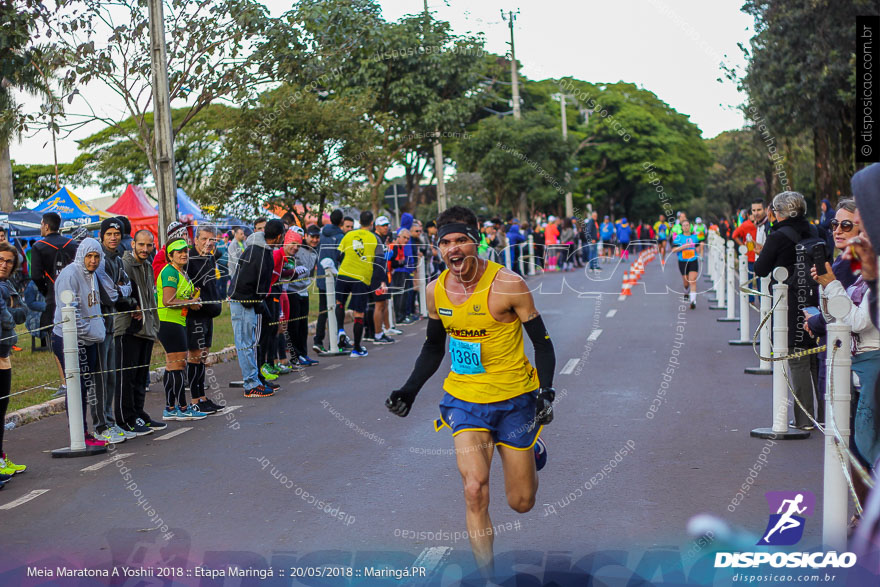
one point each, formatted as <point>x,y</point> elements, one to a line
<point>79,277</point>
<point>135,335</point>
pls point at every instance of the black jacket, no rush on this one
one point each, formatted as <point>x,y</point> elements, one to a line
<point>202,272</point>
<point>48,256</point>
<point>253,277</point>
<point>779,251</point>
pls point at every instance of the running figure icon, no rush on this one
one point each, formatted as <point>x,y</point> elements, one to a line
<point>786,521</point>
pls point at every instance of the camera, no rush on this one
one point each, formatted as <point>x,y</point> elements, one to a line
<point>820,257</point>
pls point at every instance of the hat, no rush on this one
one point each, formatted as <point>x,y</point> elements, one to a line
<point>699,220</point>
<point>313,230</point>
<point>488,224</point>
<point>176,245</point>
<point>293,236</point>
<point>175,230</point>
<point>297,230</point>
<point>382,221</point>
<point>109,223</point>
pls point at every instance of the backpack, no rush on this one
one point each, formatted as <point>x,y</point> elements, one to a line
<point>802,290</point>
<point>61,259</point>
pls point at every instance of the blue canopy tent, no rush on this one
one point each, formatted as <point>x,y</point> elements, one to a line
<point>187,207</point>
<point>67,205</point>
<point>22,223</point>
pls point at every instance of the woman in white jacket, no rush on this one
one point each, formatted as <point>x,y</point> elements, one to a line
<point>866,356</point>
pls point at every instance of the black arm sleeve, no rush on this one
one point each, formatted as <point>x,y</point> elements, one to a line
<point>545,356</point>
<point>430,358</point>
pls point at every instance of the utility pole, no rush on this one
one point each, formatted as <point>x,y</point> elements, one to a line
<point>514,77</point>
<point>569,203</point>
<point>438,147</point>
<point>166,183</point>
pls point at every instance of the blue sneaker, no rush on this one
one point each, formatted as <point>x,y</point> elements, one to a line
<point>191,413</point>
<point>172,414</point>
<point>307,361</point>
<point>358,352</point>
<point>540,454</point>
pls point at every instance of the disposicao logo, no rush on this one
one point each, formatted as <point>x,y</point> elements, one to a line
<point>785,527</point>
<point>787,511</point>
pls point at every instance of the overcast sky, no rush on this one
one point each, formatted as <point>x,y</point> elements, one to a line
<point>670,47</point>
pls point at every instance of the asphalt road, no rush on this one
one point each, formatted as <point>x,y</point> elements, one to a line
<point>247,488</point>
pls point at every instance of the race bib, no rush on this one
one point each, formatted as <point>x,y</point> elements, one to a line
<point>466,359</point>
<point>687,254</point>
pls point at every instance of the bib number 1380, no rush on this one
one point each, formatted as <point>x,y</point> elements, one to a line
<point>465,355</point>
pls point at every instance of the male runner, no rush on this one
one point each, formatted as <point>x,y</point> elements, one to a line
<point>490,394</point>
<point>358,250</point>
<point>662,229</point>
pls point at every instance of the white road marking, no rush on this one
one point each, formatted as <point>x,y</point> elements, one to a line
<point>430,560</point>
<point>569,366</point>
<point>177,432</point>
<point>331,367</point>
<point>106,462</point>
<point>595,334</point>
<point>23,499</point>
<point>230,409</point>
<point>621,298</point>
<point>611,313</point>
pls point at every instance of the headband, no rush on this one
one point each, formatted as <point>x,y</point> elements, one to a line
<point>467,229</point>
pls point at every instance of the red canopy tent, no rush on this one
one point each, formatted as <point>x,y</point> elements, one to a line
<point>134,204</point>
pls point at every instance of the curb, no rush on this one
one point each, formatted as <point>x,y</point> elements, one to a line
<point>56,405</point>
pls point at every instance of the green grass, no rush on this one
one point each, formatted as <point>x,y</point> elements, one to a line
<point>32,369</point>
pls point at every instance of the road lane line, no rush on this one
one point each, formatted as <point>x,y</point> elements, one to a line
<point>228,409</point>
<point>177,432</point>
<point>106,462</point>
<point>23,499</point>
<point>331,367</point>
<point>611,313</point>
<point>621,298</point>
<point>595,334</point>
<point>569,366</point>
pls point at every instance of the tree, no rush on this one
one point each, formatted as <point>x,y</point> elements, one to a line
<point>804,81</point>
<point>293,148</point>
<point>20,70</point>
<point>411,77</point>
<point>210,58</point>
<point>110,159</point>
<point>518,156</point>
<point>33,183</point>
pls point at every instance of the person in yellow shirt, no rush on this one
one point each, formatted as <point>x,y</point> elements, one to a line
<point>663,232</point>
<point>494,396</point>
<point>358,250</point>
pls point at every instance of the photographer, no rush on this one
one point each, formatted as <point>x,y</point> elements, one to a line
<point>793,237</point>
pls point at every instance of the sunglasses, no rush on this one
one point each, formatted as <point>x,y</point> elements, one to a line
<point>845,226</point>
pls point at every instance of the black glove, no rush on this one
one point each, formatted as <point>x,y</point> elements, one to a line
<point>544,405</point>
<point>400,401</point>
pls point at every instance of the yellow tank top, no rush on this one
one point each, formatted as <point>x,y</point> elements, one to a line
<point>488,361</point>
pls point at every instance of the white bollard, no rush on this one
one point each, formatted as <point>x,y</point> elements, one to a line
<point>332,326</point>
<point>764,342</point>
<point>519,260</point>
<point>720,284</point>
<point>835,499</point>
<point>531,255</point>
<point>75,408</point>
<point>507,260</point>
<point>745,330</point>
<point>423,288</point>
<point>730,295</point>
<point>711,264</point>
<point>779,429</point>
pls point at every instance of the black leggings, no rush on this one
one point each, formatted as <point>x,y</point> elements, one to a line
<point>5,388</point>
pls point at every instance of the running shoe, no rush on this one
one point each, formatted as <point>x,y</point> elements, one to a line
<point>393,331</point>
<point>271,385</point>
<point>126,433</point>
<point>319,348</point>
<point>258,391</point>
<point>218,409</point>
<point>306,361</point>
<point>540,454</point>
<point>155,425</point>
<point>15,347</point>
<point>276,369</point>
<point>110,436</point>
<point>62,391</point>
<point>693,305</point>
<point>283,369</point>
<point>383,339</point>
<point>344,342</point>
<point>407,321</point>
<point>172,414</point>
<point>361,352</point>
<point>190,413</point>
<point>266,372</point>
<point>204,407</point>
<point>5,478</point>
<point>138,429</point>
<point>7,467</point>
<point>92,441</point>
